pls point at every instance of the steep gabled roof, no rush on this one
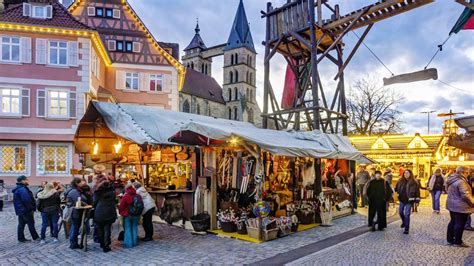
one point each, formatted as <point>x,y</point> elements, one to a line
<point>202,86</point>
<point>240,35</point>
<point>61,17</point>
<point>197,41</point>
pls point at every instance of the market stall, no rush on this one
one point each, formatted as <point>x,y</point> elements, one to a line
<point>265,179</point>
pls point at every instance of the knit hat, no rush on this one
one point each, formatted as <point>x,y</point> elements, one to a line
<point>21,178</point>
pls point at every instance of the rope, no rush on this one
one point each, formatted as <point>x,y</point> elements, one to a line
<point>440,48</point>
<point>374,54</point>
<point>449,85</point>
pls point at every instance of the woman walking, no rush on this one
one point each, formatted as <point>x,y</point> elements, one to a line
<point>105,212</point>
<point>460,204</point>
<point>408,191</point>
<point>149,209</point>
<point>49,205</point>
<point>130,208</point>
<point>436,187</point>
<point>379,193</point>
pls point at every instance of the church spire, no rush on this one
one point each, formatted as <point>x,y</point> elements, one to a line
<point>197,41</point>
<point>240,35</point>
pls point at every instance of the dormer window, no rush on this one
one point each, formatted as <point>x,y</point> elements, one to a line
<point>37,11</point>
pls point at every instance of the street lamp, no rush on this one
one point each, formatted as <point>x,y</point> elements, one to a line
<point>428,112</point>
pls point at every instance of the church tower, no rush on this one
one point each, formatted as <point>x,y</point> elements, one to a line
<point>193,54</point>
<point>239,71</point>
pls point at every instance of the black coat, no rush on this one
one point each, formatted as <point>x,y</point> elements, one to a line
<point>105,206</point>
<point>50,203</point>
<point>408,190</point>
<point>379,191</point>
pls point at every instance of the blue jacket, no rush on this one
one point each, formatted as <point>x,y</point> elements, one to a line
<point>23,199</point>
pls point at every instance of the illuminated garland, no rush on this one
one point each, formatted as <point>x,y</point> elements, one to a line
<point>181,69</point>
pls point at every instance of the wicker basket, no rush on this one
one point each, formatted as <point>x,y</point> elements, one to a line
<point>270,234</point>
<point>229,227</point>
<point>254,232</point>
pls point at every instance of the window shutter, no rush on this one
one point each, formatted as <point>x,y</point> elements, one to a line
<point>40,103</point>
<point>116,13</point>
<point>141,82</point>
<point>167,83</point>
<point>91,11</point>
<point>25,49</point>
<point>41,51</point>
<point>49,11</point>
<point>73,53</point>
<point>111,44</point>
<point>26,10</point>
<point>137,47</point>
<point>120,80</point>
<point>25,102</point>
<point>72,104</point>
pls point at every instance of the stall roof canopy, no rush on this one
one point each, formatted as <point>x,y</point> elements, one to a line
<point>146,124</point>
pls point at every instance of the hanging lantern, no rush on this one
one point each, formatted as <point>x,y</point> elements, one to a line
<point>117,149</point>
<point>95,153</point>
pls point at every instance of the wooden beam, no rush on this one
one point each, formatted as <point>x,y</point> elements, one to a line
<point>466,4</point>
<point>353,51</point>
<point>273,51</point>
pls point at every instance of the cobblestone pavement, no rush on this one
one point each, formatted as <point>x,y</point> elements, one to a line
<point>425,245</point>
<point>171,246</point>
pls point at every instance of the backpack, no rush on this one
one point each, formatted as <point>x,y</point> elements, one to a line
<point>136,208</point>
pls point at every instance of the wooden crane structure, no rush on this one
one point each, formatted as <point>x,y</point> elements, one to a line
<point>299,33</point>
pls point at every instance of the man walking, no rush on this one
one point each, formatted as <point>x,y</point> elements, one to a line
<point>460,204</point>
<point>25,205</point>
<point>362,178</point>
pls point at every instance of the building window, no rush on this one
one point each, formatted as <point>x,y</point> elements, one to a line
<point>156,82</point>
<point>236,76</point>
<point>10,100</point>
<point>58,103</point>
<point>58,53</point>
<point>99,12</point>
<point>119,46</point>
<point>247,94</point>
<point>236,115</point>
<point>11,49</point>
<point>232,59</point>
<point>13,159</point>
<point>39,12</point>
<point>231,76</point>
<point>236,94</point>
<point>128,46</point>
<point>198,109</point>
<point>109,13</point>
<point>230,94</point>
<point>186,107</point>
<point>53,159</point>
<point>229,111</point>
<point>131,81</point>
<point>236,60</point>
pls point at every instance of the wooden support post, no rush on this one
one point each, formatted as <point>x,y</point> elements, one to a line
<point>314,68</point>
<point>266,71</point>
<point>318,181</point>
<point>342,91</point>
<point>213,213</point>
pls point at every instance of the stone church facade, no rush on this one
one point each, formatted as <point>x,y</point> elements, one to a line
<point>235,99</point>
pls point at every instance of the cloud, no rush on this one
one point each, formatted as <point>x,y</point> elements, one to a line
<point>405,43</point>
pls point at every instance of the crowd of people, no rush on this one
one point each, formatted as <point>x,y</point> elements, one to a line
<point>84,206</point>
<point>377,191</point>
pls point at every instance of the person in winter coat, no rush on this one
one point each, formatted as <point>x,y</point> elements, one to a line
<point>470,178</point>
<point>436,187</point>
<point>76,192</point>
<point>362,178</point>
<point>379,193</point>
<point>460,204</point>
<point>3,194</point>
<point>149,207</point>
<point>105,212</point>
<point>130,208</point>
<point>25,206</point>
<point>49,206</point>
<point>408,191</point>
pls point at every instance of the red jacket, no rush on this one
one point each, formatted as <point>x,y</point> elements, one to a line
<point>126,201</point>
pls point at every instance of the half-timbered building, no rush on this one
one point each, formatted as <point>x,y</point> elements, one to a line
<point>143,70</point>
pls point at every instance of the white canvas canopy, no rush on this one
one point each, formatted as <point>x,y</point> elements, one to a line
<point>146,124</point>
